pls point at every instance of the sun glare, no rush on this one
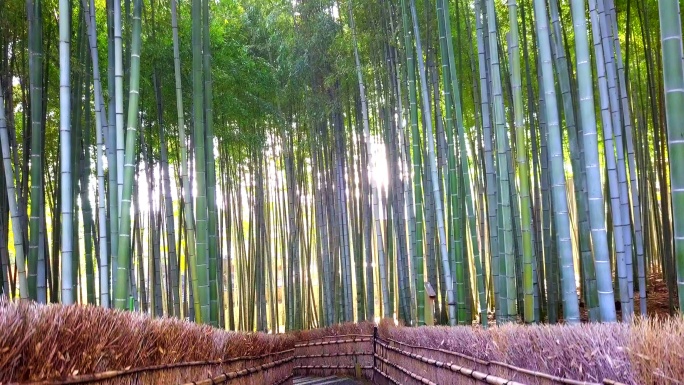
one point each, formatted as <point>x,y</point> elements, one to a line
<point>378,168</point>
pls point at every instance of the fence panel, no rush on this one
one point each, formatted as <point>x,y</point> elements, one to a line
<point>346,356</point>
<point>382,361</point>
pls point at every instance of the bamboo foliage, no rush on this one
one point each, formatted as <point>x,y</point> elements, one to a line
<point>339,162</point>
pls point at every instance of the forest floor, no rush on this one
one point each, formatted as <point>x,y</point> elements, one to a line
<point>331,380</point>
<point>657,302</point>
<point>657,299</point>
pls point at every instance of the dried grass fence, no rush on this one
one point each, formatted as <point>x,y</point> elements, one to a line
<point>55,344</point>
<point>400,363</point>
<point>646,351</point>
<point>89,345</point>
<point>384,360</point>
<point>349,355</point>
<point>271,368</point>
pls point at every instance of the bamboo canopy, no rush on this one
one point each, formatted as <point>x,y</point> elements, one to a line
<point>285,165</point>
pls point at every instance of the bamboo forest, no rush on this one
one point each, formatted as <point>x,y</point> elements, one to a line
<point>277,166</point>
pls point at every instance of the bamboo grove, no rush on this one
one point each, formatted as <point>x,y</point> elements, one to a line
<point>278,165</point>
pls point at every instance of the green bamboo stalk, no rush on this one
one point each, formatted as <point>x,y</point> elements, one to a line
<point>591,156</point>
<point>141,300</point>
<point>418,249</point>
<point>456,249</point>
<point>190,233</point>
<point>451,301</point>
<point>612,173</point>
<point>230,284</point>
<point>624,219</point>
<point>507,291</point>
<point>212,217</point>
<point>469,207</point>
<point>367,152</point>
<point>405,276</point>
<point>673,83</point>
<point>12,202</point>
<point>170,222</point>
<point>490,181</point>
<point>119,133</point>
<point>627,119</point>
<point>101,126</point>
<point>355,175</point>
<point>35,31</point>
<point>528,251</point>
<point>560,202</point>
<point>407,187</point>
<point>87,213</point>
<point>68,296</point>
<point>574,128</point>
<point>124,250</point>
<point>203,290</point>
<point>110,138</point>
<point>341,189</point>
<point>76,133</point>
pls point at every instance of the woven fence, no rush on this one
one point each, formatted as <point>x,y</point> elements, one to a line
<point>400,363</point>
<point>272,368</point>
<point>367,357</point>
<point>348,355</point>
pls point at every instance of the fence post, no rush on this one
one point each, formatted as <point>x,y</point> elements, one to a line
<point>375,339</point>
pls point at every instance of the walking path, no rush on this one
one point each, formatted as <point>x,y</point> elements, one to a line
<point>332,380</point>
